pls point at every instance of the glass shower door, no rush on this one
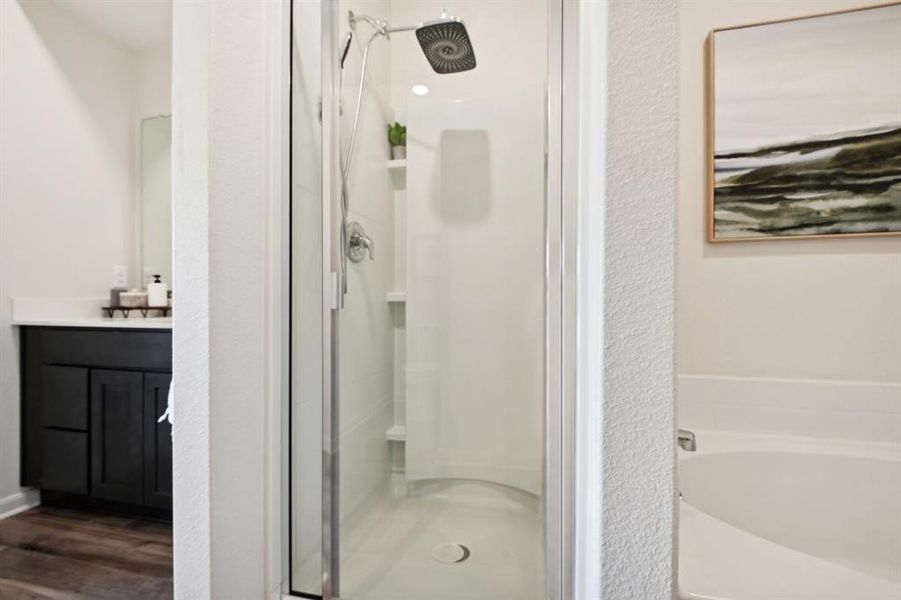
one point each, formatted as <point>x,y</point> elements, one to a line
<point>310,319</point>
<point>419,291</point>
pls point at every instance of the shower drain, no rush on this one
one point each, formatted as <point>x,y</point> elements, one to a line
<point>450,552</point>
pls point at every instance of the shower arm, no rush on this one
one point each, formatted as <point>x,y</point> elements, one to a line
<point>402,28</point>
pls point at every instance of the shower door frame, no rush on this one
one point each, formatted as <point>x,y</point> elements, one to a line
<point>560,318</point>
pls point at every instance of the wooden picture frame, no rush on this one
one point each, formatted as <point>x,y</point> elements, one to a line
<point>769,215</point>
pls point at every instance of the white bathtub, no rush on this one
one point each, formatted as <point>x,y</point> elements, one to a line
<point>780,518</point>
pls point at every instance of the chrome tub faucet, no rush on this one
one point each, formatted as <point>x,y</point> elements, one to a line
<point>686,440</point>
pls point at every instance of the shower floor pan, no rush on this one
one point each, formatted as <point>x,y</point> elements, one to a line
<point>388,546</point>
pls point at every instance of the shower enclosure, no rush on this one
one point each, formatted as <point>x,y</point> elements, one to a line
<point>427,431</point>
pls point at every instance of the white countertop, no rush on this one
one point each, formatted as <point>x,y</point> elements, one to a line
<point>78,312</point>
<point>115,323</point>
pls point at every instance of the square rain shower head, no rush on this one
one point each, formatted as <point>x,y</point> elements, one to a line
<point>446,45</point>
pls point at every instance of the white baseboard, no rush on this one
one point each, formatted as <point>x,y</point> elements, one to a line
<point>19,502</point>
<point>857,410</point>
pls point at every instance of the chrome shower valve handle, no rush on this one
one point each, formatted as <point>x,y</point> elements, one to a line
<point>358,243</point>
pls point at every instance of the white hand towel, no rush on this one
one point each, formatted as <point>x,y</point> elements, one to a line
<point>170,405</point>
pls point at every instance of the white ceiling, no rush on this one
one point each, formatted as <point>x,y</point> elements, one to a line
<point>137,24</point>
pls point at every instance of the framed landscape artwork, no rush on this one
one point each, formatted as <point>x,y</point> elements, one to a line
<point>804,127</point>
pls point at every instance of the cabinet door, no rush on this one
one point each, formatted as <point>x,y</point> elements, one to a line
<point>117,439</point>
<point>157,442</point>
<point>64,461</point>
<point>64,397</point>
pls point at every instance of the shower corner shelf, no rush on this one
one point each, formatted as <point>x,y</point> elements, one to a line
<point>397,433</point>
<point>397,165</point>
<point>396,297</point>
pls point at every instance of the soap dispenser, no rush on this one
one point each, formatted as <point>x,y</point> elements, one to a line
<point>156,292</point>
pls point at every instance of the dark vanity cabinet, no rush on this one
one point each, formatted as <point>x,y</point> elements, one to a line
<point>90,403</point>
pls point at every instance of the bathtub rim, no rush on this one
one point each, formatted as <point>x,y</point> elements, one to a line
<point>711,442</point>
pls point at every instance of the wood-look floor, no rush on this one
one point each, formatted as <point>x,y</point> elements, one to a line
<point>64,554</point>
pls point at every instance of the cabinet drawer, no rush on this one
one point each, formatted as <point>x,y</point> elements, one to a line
<point>64,461</point>
<point>64,397</point>
<point>144,350</point>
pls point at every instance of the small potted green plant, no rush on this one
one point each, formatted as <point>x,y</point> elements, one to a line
<point>397,138</point>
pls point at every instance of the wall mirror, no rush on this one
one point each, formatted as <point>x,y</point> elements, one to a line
<point>156,199</point>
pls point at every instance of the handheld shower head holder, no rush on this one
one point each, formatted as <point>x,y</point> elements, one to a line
<point>381,27</point>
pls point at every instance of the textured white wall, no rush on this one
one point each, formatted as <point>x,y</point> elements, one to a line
<point>192,24</point>
<point>227,149</point>
<point>238,155</point>
<point>638,445</point>
<point>784,322</point>
<point>66,178</point>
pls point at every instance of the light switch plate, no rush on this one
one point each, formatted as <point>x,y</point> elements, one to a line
<point>120,276</point>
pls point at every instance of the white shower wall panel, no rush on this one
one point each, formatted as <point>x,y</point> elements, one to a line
<point>475,287</point>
